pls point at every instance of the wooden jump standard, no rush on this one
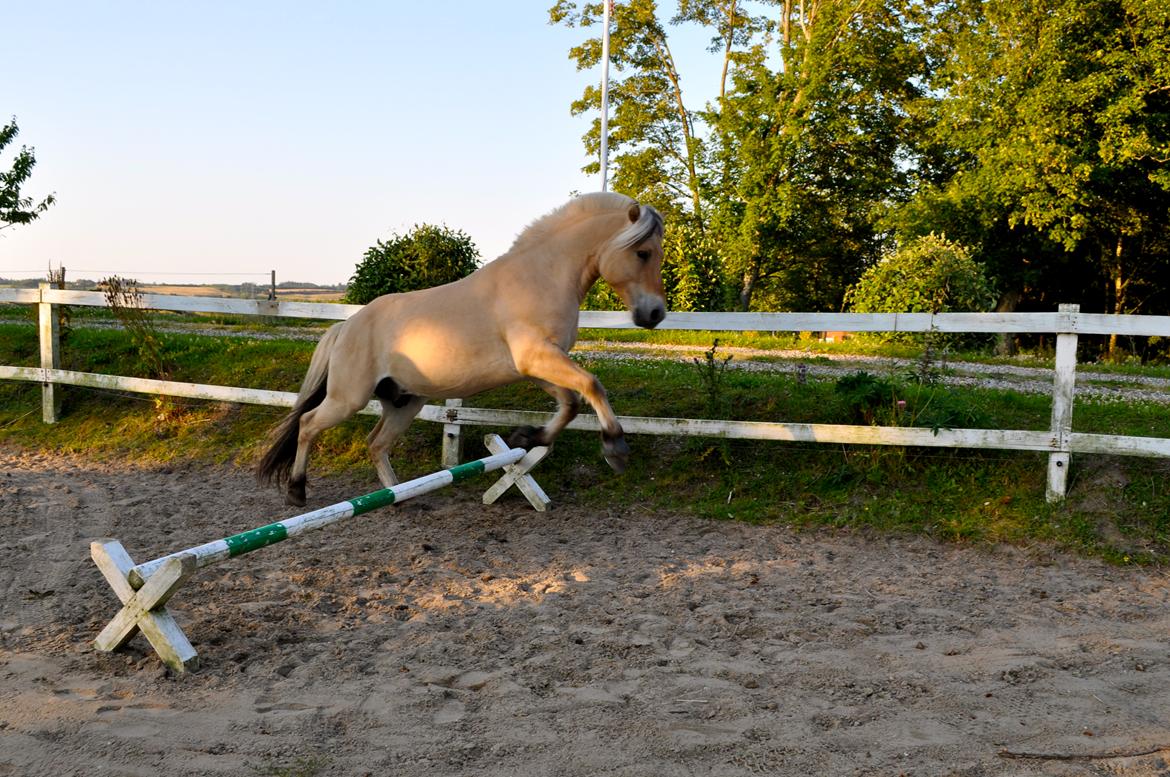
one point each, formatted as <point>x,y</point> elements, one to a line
<point>145,588</point>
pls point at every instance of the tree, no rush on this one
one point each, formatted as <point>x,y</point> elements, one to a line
<point>691,275</point>
<point>657,155</point>
<point>426,256</point>
<point>788,167</point>
<point>815,143</point>
<point>15,209</point>
<point>1049,144</point>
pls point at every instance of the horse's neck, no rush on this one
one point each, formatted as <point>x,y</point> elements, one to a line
<point>587,275</point>
<point>584,244</point>
<point>569,259</point>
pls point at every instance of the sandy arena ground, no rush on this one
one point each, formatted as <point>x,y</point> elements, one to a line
<point>440,637</point>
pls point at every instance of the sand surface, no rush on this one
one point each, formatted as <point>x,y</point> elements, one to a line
<point>440,637</point>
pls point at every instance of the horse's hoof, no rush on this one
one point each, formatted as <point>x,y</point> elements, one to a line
<point>526,437</point>
<point>616,453</point>
<point>295,495</point>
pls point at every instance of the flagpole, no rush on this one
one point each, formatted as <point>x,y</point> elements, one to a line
<point>606,4</point>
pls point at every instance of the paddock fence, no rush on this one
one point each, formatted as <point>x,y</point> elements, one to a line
<point>1059,441</point>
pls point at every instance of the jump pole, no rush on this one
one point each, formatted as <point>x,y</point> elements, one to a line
<point>145,588</point>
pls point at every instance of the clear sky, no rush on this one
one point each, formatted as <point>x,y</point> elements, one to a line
<point>242,137</point>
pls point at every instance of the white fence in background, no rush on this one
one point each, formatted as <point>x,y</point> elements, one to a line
<point>1059,440</point>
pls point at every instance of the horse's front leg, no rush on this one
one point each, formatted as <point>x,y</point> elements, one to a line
<point>546,362</point>
<point>568,405</point>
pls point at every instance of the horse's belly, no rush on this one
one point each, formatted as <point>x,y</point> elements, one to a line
<point>441,372</point>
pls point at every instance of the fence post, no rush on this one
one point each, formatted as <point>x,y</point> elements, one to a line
<point>1063,392</point>
<point>50,338</point>
<point>452,435</point>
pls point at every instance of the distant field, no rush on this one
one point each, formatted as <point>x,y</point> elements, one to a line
<point>310,295</point>
<point>246,291</point>
<point>287,294</point>
<point>185,291</point>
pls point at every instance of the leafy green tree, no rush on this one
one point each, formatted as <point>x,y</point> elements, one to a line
<point>789,166</point>
<point>691,275</point>
<point>426,256</point>
<point>691,270</point>
<point>656,151</point>
<point>814,142</point>
<point>15,209</point>
<point>1049,147</point>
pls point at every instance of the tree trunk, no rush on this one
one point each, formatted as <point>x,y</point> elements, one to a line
<point>1005,344</point>
<point>684,116</point>
<point>750,278</point>
<point>1119,283</point>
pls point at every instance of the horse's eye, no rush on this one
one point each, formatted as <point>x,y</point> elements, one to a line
<point>644,255</point>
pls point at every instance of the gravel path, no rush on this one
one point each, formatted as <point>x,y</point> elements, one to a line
<point>1103,386</point>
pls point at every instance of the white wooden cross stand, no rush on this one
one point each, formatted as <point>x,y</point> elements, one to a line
<point>517,474</point>
<point>145,609</point>
<point>145,588</point>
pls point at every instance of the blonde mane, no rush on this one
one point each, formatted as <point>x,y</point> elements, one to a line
<point>585,204</point>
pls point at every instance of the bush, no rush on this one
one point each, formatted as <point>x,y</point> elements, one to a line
<point>426,256</point>
<point>928,275</point>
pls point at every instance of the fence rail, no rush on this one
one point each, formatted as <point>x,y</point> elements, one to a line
<point>1059,441</point>
<point>1069,321</point>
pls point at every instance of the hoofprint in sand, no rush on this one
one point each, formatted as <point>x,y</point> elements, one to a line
<point>446,637</point>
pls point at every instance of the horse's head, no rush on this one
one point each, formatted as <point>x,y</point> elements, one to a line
<point>632,264</point>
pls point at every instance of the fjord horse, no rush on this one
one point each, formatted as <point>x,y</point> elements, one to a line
<point>513,319</point>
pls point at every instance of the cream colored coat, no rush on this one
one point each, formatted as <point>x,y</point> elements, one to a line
<point>513,319</point>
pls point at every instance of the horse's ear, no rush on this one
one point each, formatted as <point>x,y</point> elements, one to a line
<point>634,212</point>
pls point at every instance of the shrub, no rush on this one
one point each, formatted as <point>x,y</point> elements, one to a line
<point>426,256</point>
<point>928,275</point>
<point>867,396</point>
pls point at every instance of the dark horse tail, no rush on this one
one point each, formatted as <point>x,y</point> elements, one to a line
<point>275,466</point>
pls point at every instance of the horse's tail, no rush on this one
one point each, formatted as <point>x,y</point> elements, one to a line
<point>275,465</point>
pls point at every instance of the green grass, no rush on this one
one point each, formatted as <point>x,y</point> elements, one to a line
<point>1119,508</point>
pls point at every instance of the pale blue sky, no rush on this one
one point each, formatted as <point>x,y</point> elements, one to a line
<point>240,137</point>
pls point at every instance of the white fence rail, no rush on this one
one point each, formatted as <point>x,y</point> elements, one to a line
<point>1059,440</point>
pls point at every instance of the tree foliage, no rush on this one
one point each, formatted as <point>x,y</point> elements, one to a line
<point>1048,146</point>
<point>15,209</point>
<point>786,168</point>
<point>424,257</point>
<point>1035,133</point>
<point>691,275</point>
<point>813,143</point>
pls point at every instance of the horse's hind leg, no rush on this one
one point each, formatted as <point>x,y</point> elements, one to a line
<point>390,426</point>
<point>568,405</point>
<point>332,411</point>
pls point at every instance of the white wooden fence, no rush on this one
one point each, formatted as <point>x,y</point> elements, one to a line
<point>1059,440</point>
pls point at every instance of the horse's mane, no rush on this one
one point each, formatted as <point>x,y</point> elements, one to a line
<point>649,220</point>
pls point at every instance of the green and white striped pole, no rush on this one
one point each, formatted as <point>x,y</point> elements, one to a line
<point>248,541</point>
<point>144,589</point>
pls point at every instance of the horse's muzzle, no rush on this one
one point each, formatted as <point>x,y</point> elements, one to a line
<point>649,315</point>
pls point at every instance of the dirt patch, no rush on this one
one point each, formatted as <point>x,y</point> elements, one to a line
<point>441,637</point>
